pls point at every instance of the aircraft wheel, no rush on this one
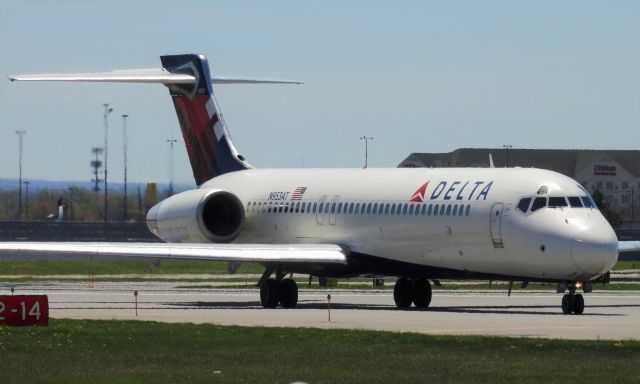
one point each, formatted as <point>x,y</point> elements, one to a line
<point>578,304</point>
<point>403,292</point>
<point>289,293</point>
<point>567,304</point>
<point>421,293</point>
<point>269,293</point>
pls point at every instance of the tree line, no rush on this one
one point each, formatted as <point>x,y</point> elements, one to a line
<point>79,204</point>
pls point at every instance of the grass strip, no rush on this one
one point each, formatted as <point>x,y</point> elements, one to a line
<point>79,267</point>
<point>77,351</point>
<point>303,283</point>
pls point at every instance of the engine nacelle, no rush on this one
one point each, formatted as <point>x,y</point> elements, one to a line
<point>197,216</point>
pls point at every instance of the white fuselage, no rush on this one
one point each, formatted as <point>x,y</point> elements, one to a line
<point>464,219</point>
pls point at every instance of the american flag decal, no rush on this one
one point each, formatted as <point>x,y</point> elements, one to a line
<point>298,192</point>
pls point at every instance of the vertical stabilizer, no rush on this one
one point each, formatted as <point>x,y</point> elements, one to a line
<point>209,146</point>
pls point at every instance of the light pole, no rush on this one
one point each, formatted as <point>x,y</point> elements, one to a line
<point>506,147</point>
<point>20,133</point>
<point>124,148</point>
<point>26,197</point>
<point>107,111</point>
<point>171,142</point>
<point>366,149</point>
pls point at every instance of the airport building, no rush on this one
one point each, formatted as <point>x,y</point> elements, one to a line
<point>615,173</point>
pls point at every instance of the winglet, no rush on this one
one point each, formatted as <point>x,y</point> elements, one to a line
<point>491,165</point>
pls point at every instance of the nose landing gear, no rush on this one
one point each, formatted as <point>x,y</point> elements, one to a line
<point>416,291</point>
<point>572,302</point>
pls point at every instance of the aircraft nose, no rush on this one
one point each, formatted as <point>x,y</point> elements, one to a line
<point>595,250</point>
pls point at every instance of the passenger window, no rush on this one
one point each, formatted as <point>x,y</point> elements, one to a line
<point>340,208</point>
<point>386,209</point>
<point>326,207</point>
<point>539,202</point>
<point>455,210</point>
<point>523,205</point>
<point>461,210</point>
<point>393,209</point>
<point>468,209</point>
<point>411,209</point>
<point>448,210</point>
<point>424,209</point>
<point>404,209</point>
<point>303,207</point>
<point>557,202</point>
<point>429,210</point>
<point>362,208</point>
<point>333,208</point>
<point>375,208</point>
<point>357,208</point>
<point>369,209</point>
<point>575,202</point>
<point>442,207</point>
<point>380,209</point>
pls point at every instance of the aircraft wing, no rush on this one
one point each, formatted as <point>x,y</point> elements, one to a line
<point>261,253</point>
<point>628,246</point>
<point>144,75</point>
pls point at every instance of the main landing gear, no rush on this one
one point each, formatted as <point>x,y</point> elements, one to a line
<point>278,291</point>
<point>572,302</point>
<point>416,291</point>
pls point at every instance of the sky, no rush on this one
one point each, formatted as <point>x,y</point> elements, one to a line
<point>418,76</point>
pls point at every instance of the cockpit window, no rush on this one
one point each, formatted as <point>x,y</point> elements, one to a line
<point>588,203</point>
<point>539,202</point>
<point>575,202</point>
<point>557,201</point>
<point>523,205</point>
<point>543,190</point>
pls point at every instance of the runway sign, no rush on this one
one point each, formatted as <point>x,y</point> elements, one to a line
<point>19,310</point>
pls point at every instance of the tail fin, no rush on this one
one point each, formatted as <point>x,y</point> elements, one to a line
<point>205,134</point>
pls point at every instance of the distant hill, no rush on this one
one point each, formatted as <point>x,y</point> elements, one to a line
<point>37,185</point>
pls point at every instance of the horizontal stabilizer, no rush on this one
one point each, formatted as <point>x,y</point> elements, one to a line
<point>261,253</point>
<point>145,75</point>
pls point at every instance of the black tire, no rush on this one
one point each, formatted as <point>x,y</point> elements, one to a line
<point>288,293</point>
<point>403,292</point>
<point>421,293</point>
<point>567,306</point>
<point>269,293</point>
<point>578,304</point>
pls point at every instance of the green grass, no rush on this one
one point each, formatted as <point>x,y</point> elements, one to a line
<point>78,351</point>
<point>626,264</point>
<point>34,268</point>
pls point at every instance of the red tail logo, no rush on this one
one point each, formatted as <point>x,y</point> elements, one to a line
<point>418,195</point>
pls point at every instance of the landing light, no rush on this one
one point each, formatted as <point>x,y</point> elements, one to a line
<point>578,285</point>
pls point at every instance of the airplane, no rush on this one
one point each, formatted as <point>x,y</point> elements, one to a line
<point>416,224</point>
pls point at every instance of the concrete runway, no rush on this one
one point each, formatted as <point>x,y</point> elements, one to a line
<point>608,315</point>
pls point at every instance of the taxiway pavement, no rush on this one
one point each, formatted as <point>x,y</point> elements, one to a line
<point>608,315</point>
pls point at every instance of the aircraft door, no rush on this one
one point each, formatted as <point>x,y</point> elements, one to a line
<point>333,209</point>
<point>320,212</point>
<point>495,225</point>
